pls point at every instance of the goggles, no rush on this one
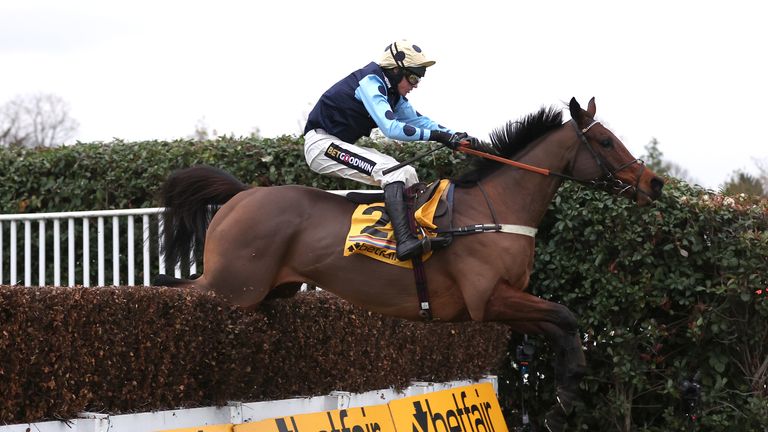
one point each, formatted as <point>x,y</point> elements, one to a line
<point>412,77</point>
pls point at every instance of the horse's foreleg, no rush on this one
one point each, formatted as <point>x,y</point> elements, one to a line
<point>570,362</point>
<point>570,365</point>
<point>526,313</point>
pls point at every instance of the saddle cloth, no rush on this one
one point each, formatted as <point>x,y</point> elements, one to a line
<point>371,233</point>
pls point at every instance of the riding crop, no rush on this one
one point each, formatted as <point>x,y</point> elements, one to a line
<point>521,165</point>
<point>412,160</point>
<point>464,147</point>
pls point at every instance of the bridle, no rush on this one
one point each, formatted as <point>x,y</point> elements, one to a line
<point>607,180</point>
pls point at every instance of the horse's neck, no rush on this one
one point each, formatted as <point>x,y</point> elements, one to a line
<point>524,196</point>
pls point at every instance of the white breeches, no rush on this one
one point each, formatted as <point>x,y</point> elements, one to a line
<point>328,155</point>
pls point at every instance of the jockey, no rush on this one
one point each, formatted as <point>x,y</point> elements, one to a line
<point>375,96</point>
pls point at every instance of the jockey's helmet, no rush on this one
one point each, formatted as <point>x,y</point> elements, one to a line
<point>405,55</point>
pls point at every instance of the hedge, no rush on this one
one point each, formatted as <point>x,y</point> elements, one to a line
<point>128,349</point>
<point>118,175</point>
<point>664,294</point>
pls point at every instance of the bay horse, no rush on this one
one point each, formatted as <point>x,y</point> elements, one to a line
<point>269,240</point>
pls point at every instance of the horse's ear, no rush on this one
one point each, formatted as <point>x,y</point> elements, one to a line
<point>575,109</point>
<point>577,113</point>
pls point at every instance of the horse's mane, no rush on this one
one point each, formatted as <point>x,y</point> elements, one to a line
<point>510,139</point>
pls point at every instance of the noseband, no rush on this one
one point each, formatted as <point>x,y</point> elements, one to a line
<point>607,180</point>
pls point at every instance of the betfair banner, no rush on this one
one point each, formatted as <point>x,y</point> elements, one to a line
<point>463,409</point>
<point>375,418</point>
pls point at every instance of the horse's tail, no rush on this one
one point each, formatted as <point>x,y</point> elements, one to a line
<point>189,196</point>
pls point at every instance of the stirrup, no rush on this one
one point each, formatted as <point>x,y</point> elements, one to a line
<point>441,241</point>
<point>429,244</point>
<point>406,255</point>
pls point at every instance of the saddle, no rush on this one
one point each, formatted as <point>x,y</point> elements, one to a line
<point>419,193</point>
<point>430,215</point>
<point>417,196</point>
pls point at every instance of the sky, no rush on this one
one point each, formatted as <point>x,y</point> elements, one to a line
<point>691,74</point>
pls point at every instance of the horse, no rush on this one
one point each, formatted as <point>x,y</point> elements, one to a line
<point>267,241</point>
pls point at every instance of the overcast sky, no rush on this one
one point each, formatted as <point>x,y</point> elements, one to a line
<point>690,74</point>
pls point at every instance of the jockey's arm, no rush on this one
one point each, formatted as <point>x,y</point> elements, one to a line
<point>404,123</point>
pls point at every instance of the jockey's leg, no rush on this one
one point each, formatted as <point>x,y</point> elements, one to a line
<point>408,245</point>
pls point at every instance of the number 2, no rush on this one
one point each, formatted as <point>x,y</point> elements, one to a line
<point>380,223</point>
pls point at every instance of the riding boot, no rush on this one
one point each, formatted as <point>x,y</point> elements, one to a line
<point>408,245</point>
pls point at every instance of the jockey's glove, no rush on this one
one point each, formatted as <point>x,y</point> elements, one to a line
<point>473,142</point>
<point>476,144</point>
<point>452,141</point>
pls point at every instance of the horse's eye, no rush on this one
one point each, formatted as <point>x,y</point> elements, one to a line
<point>607,143</point>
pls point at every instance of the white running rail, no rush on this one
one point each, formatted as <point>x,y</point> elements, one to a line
<point>75,229</point>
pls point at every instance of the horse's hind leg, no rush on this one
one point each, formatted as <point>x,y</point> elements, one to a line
<point>529,314</point>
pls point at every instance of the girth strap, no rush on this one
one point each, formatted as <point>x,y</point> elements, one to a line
<point>421,288</point>
<point>418,266</point>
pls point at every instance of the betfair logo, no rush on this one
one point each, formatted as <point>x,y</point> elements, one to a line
<point>331,425</point>
<point>462,417</point>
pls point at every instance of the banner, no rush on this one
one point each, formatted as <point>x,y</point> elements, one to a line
<point>462,409</point>
<point>374,418</point>
<point>471,408</point>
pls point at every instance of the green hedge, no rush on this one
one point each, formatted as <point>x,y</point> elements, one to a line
<point>121,175</point>
<point>662,293</point>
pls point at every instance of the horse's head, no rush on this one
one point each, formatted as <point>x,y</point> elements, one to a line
<point>603,160</point>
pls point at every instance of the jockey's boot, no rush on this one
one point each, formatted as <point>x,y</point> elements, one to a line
<point>408,245</point>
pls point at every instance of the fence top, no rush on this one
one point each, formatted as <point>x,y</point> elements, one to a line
<point>80,214</point>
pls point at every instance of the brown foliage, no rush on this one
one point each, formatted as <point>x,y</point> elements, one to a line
<point>127,349</point>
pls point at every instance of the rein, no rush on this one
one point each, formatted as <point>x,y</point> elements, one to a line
<point>606,180</point>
